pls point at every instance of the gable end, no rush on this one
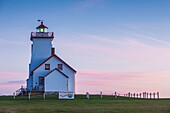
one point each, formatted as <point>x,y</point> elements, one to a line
<point>49,59</point>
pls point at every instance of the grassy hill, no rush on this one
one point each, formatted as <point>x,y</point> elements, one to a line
<point>108,104</point>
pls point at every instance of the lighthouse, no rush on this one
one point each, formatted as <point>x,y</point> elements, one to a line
<point>42,45</point>
<point>47,71</point>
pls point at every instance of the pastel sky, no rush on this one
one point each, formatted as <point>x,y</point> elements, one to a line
<point>115,45</point>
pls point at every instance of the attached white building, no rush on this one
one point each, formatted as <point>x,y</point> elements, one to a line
<point>47,71</point>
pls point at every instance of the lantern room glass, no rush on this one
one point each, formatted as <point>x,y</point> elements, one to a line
<point>41,29</point>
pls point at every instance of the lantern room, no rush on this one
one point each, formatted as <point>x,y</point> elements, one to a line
<point>42,32</point>
<point>42,27</point>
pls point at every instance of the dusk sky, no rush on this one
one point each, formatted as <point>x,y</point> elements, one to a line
<point>115,45</point>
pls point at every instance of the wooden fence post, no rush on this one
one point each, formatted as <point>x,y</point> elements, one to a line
<point>29,95</point>
<point>140,95</point>
<point>150,95</point>
<point>129,94</point>
<point>145,95</point>
<point>87,95</point>
<point>101,96</point>
<point>14,95</point>
<point>158,95</point>
<point>115,95</point>
<point>154,95</point>
<point>44,95</point>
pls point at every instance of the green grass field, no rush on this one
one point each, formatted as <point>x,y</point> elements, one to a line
<point>108,104</point>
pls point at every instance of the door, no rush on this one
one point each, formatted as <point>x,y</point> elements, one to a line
<point>41,83</point>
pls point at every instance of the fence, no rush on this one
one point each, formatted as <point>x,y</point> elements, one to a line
<point>143,95</point>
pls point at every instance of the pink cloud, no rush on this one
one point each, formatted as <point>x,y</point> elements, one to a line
<point>5,74</point>
<point>13,83</point>
<point>95,81</point>
<point>94,74</point>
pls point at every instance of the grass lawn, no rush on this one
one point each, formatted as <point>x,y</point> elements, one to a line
<point>108,104</point>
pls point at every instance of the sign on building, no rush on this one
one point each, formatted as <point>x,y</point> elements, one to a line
<point>66,95</point>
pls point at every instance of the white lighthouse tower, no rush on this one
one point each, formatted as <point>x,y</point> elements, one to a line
<point>47,71</point>
<point>42,45</point>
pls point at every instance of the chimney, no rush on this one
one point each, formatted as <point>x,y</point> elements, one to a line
<point>52,51</point>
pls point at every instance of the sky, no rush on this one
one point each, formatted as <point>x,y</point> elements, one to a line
<point>115,45</point>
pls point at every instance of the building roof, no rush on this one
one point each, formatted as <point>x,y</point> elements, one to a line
<point>41,26</point>
<point>54,55</point>
<point>58,71</point>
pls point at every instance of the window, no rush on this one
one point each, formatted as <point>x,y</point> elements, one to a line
<point>47,66</point>
<point>60,66</point>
